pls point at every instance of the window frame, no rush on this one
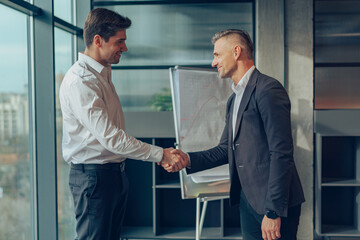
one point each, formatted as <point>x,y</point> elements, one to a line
<point>42,115</point>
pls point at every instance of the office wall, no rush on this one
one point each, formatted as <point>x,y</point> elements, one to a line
<point>284,50</point>
<point>299,83</point>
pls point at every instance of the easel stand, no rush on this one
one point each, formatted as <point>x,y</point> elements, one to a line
<point>200,219</point>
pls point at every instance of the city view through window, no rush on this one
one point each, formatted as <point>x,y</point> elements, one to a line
<point>64,57</point>
<point>15,160</point>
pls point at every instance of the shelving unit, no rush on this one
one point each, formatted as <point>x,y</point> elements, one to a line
<point>336,118</point>
<point>157,211</point>
<point>337,175</point>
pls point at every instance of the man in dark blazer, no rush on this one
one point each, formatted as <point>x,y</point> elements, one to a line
<point>256,142</point>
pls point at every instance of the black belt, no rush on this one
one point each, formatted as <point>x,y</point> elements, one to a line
<point>106,166</point>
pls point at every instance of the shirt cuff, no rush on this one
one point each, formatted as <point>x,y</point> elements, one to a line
<point>156,153</point>
<point>189,167</point>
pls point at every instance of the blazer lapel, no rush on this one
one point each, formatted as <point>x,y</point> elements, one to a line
<point>230,132</point>
<point>245,99</point>
<point>230,119</point>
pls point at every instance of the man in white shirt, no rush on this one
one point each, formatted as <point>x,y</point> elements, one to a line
<point>95,143</point>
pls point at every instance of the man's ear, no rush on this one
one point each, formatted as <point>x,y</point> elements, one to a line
<point>97,40</point>
<point>237,52</point>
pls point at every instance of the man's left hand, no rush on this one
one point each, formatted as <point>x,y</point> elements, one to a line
<point>270,228</point>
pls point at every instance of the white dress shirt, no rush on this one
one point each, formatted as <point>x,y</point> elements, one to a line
<point>239,92</point>
<point>93,120</point>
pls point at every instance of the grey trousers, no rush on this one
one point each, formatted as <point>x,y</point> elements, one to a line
<point>100,196</point>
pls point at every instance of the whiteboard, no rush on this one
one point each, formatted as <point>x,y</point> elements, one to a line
<point>199,105</point>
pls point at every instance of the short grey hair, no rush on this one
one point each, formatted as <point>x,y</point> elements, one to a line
<point>242,35</point>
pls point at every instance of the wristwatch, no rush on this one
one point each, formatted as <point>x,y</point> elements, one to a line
<point>271,214</point>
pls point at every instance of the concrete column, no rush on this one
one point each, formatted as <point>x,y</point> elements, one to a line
<point>269,40</point>
<point>299,83</point>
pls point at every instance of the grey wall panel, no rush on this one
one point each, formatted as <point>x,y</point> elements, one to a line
<point>336,53</point>
<point>337,122</point>
<point>337,88</point>
<point>337,27</point>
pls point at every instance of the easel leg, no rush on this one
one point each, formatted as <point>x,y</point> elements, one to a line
<point>200,220</point>
<point>197,235</point>
<point>202,217</point>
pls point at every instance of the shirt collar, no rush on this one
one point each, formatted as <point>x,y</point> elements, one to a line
<point>243,81</point>
<point>91,62</point>
<point>101,69</point>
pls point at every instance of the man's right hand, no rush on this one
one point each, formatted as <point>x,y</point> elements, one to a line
<point>174,160</point>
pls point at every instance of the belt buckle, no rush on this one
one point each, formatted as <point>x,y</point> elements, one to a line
<point>122,166</point>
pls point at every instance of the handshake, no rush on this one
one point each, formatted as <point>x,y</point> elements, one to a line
<point>174,160</point>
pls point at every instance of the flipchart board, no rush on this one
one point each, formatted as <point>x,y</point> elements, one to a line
<point>199,103</point>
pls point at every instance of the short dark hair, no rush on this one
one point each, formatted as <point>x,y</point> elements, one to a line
<point>243,37</point>
<point>105,23</point>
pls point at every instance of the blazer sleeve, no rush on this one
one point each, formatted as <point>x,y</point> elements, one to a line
<point>215,156</point>
<point>274,107</point>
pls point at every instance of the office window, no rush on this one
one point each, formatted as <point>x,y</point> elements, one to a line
<point>63,60</point>
<point>15,161</point>
<point>165,35</point>
<point>143,90</point>
<point>179,34</point>
<point>64,9</point>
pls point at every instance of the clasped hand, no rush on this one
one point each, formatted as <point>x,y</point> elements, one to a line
<point>174,160</point>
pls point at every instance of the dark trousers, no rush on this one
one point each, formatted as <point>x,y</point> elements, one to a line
<point>100,195</point>
<point>250,222</point>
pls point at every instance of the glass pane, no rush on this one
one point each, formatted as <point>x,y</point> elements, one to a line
<point>15,162</point>
<point>337,88</point>
<point>337,29</point>
<point>143,90</point>
<point>64,9</point>
<point>179,34</point>
<point>170,34</point>
<point>63,61</point>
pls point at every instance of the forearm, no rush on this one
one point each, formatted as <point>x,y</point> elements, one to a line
<point>208,159</point>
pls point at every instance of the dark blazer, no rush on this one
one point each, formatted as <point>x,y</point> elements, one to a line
<point>261,155</point>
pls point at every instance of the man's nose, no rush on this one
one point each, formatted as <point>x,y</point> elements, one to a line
<point>124,48</point>
<point>214,63</point>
